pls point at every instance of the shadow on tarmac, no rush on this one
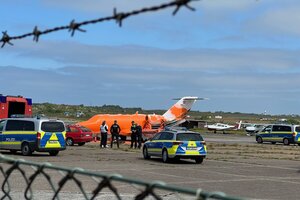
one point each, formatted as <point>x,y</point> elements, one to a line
<point>35,154</point>
<point>171,162</point>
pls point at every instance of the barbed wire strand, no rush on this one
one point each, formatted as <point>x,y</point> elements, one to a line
<point>75,26</point>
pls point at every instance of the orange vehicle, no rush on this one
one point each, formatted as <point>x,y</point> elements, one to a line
<point>150,123</point>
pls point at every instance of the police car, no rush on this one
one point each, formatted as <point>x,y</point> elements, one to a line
<point>32,134</point>
<point>286,134</point>
<point>176,144</point>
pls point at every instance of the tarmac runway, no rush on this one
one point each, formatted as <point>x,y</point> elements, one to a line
<point>239,176</point>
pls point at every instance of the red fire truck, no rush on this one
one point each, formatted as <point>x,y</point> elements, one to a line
<point>14,105</point>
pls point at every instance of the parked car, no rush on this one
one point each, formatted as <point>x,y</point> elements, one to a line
<point>286,134</point>
<point>78,135</point>
<point>176,144</point>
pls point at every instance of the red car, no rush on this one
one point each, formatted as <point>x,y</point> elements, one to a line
<point>78,135</point>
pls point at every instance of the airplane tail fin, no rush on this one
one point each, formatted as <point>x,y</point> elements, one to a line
<point>240,125</point>
<point>179,110</point>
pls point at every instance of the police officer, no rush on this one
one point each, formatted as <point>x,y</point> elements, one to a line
<point>103,131</point>
<point>133,135</point>
<point>139,135</point>
<point>115,130</point>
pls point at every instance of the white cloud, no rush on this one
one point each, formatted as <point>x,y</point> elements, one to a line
<point>254,60</point>
<point>101,6</point>
<point>279,21</point>
<point>126,5</point>
<point>212,23</point>
<point>248,92</point>
<point>229,4</point>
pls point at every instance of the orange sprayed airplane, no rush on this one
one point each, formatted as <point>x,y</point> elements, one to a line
<point>149,123</point>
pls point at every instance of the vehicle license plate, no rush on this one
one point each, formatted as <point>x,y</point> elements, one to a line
<point>52,142</point>
<point>191,148</point>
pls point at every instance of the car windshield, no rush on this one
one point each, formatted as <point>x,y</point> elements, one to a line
<point>84,129</point>
<point>189,137</point>
<point>53,127</point>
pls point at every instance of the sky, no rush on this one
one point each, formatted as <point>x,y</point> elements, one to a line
<point>243,55</point>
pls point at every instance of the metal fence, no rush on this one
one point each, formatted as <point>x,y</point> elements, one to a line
<point>87,184</point>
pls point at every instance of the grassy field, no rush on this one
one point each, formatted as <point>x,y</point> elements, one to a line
<point>234,152</point>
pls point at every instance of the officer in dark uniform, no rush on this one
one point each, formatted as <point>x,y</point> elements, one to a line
<point>115,131</point>
<point>133,135</point>
<point>139,135</point>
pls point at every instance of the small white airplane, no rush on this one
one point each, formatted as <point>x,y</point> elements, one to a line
<point>219,127</point>
<point>254,128</point>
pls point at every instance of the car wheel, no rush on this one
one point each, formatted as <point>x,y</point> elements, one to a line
<point>81,143</point>
<point>53,153</point>
<point>145,153</point>
<point>26,151</point>
<point>199,160</point>
<point>286,141</point>
<point>273,142</point>
<point>69,142</point>
<point>165,156</point>
<point>259,140</point>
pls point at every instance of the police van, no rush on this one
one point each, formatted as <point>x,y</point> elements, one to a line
<point>32,134</point>
<point>286,134</point>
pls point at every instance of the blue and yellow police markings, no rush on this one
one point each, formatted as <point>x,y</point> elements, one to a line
<point>297,137</point>
<point>191,148</point>
<point>184,148</point>
<point>52,140</point>
<point>276,136</point>
<point>16,137</point>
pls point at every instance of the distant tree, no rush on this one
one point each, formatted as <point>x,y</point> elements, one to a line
<point>293,121</point>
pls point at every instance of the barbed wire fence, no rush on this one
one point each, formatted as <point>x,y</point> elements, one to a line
<point>40,175</point>
<point>119,17</point>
